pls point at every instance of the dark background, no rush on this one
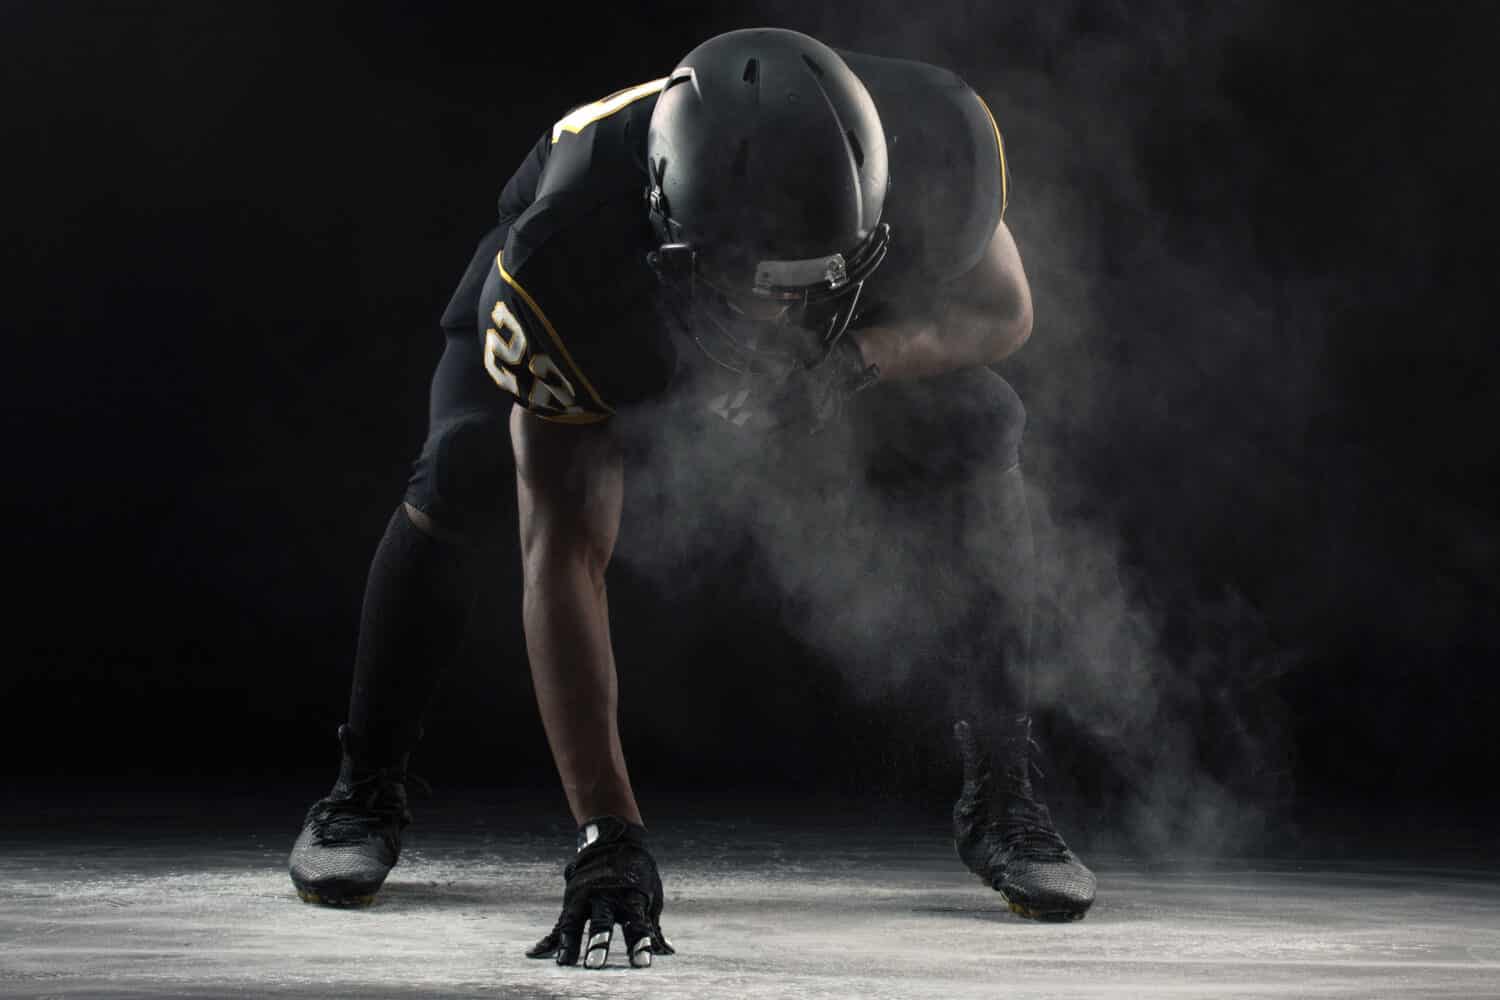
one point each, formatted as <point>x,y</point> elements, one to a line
<point>1260,394</point>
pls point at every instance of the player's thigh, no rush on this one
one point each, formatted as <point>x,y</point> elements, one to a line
<point>935,459</point>
<point>464,477</point>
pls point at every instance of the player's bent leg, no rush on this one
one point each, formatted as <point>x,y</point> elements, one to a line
<point>417,599</point>
<point>945,502</point>
<point>950,446</point>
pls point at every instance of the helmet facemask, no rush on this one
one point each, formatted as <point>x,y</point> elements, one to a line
<point>820,296</point>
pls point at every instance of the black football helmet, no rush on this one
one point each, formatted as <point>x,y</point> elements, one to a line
<point>768,174</point>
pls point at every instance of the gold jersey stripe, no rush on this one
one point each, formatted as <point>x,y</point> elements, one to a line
<point>999,145</point>
<point>551,332</point>
<point>579,118</point>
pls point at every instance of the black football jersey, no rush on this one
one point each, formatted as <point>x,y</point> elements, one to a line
<point>571,315</point>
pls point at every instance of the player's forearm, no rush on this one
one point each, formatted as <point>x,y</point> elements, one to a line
<point>566,617</point>
<point>960,337</point>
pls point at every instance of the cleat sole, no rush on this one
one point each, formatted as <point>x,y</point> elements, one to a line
<point>310,896</point>
<point>1046,916</point>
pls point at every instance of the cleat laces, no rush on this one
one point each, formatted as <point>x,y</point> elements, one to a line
<point>1025,826</point>
<point>350,817</point>
<point>1027,831</point>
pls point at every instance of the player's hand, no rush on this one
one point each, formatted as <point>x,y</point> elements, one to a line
<point>810,398</point>
<point>612,880</point>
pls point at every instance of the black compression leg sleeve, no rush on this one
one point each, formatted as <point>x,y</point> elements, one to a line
<point>416,601</point>
<point>944,463</point>
<point>996,671</point>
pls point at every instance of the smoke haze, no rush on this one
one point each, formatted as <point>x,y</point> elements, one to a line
<point>1169,360</point>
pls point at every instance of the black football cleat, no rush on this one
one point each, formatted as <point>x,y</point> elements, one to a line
<point>351,837</point>
<point>1006,837</point>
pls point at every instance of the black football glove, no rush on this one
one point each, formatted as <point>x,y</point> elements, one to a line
<point>613,879</point>
<point>801,400</point>
<point>809,399</point>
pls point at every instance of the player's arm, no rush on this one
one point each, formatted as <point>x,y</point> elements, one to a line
<point>569,483</point>
<point>979,318</point>
<point>569,480</point>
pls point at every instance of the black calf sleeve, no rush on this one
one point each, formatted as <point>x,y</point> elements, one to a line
<point>416,602</point>
<point>992,648</point>
<point>942,468</point>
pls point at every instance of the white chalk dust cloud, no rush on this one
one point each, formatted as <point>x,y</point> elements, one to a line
<point>1137,305</point>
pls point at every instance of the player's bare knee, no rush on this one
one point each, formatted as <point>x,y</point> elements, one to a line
<point>984,419</point>
<point>1006,419</point>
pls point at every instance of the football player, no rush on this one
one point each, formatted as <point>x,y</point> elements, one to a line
<point>806,248</point>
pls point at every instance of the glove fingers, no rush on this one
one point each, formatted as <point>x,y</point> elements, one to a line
<point>551,944</point>
<point>639,944</point>
<point>659,943</point>
<point>637,925</point>
<point>601,932</point>
<point>567,947</point>
<point>546,947</point>
<point>569,934</point>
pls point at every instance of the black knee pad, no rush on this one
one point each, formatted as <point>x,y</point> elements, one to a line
<point>464,479</point>
<point>999,417</point>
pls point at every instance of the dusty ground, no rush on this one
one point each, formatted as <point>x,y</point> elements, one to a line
<point>197,903</point>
